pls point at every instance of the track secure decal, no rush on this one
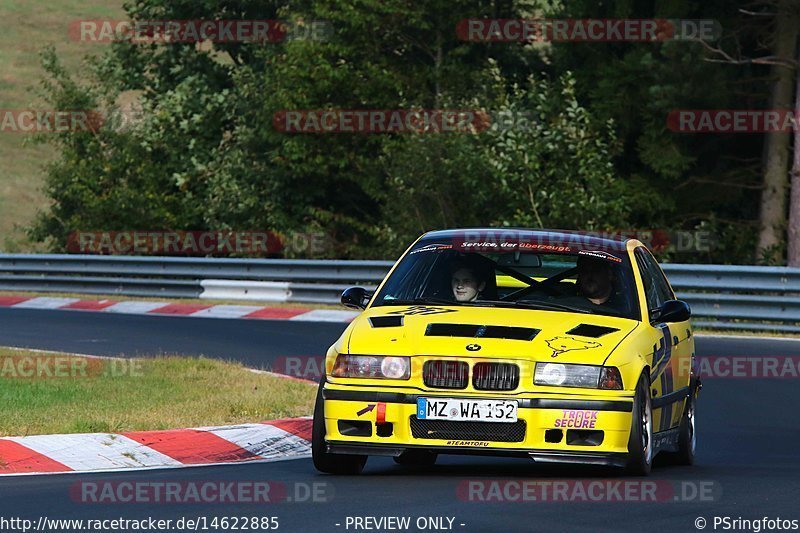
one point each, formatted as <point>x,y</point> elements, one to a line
<point>560,345</point>
<point>577,419</point>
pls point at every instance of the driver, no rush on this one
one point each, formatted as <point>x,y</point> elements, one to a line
<point>466,283</point>
<point>595,280</point>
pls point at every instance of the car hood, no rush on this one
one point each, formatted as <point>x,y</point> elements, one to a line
<point>487,332</point>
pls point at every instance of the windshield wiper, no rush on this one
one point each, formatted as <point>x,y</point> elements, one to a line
<point>546,305</point>
<point>418,301</point>
<point>490,303</point>
<point>435,301</point>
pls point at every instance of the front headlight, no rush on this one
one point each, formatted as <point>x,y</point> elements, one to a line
<point>584,376</point>
<point>371,366</point>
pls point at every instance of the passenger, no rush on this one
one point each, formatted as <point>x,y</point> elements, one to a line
<point>595,280</point>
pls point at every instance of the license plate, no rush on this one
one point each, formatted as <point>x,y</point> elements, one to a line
<point>466,410</point>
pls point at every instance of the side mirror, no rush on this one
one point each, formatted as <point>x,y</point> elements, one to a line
<point>674,311</point>
<point>356,298</point>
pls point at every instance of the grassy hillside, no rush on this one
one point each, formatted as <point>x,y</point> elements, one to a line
<point>29,26</point>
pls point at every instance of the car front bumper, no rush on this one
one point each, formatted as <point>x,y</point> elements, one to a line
<point>569,428</point>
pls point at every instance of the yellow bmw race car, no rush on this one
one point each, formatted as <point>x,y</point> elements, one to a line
<point>555,346</point>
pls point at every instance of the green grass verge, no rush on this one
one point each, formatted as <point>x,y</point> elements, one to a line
<point>47,393</point>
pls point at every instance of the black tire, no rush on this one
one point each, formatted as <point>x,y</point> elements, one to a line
<point>330,463</point>
<point>416,458</point>
<point>640,443</point>
<point>687,437</point>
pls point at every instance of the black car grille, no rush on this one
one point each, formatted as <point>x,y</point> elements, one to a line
<point>495,376</point>
<point>446,374</point>
<point>482,431</point>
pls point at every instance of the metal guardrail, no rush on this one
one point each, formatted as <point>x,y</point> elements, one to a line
<point>197,267</point>
<point>721,296</point>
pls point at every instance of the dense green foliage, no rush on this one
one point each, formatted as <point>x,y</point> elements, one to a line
<point>202,151</point>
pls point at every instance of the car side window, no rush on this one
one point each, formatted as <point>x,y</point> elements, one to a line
<point>662,286</point>
<point>657,289</point>
<point>650,291</point>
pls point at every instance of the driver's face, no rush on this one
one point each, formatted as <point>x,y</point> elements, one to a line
<point>594,279</point>
<point>465,285</point>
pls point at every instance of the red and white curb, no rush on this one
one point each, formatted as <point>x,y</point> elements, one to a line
<point>178,309</point>
<point>275,440</point>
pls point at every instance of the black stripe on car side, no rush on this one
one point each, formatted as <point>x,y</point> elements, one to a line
<point>669,399</point>
<point>667,412</point>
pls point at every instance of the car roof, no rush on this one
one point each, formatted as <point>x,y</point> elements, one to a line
<point>577,239</point>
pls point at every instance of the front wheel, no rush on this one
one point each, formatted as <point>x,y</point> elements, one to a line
<point>324,461</point>
<point>640,443</point>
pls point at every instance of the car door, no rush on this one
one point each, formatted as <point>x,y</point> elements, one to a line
<point>672,345</point>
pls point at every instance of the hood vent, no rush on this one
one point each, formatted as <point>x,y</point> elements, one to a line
<point>591,330</point>
<point>484,332</point>
<point>394,321</point>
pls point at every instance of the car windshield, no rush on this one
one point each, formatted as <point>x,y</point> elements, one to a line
<point>563,278</point>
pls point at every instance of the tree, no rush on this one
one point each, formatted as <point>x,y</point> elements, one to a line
<point>772,216</point>
<point>205,155</point>
<point>793,233</point>
<point>688,180</point>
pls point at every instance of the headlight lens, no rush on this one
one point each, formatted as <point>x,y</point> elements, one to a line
<point>565,375</point>
<point>395,367</point>
<point>371,366</point>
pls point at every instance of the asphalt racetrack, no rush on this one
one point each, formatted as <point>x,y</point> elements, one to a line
<point>748,463</point>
